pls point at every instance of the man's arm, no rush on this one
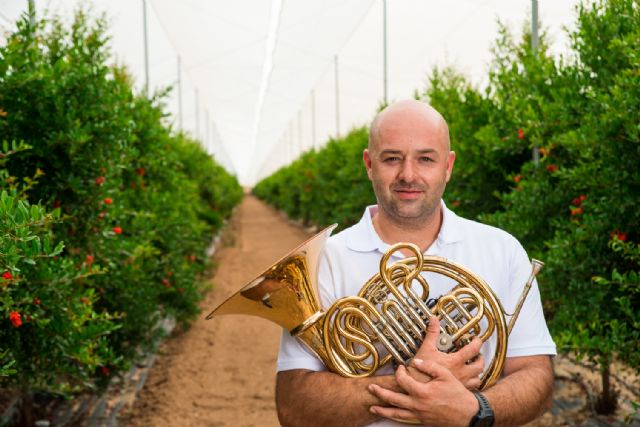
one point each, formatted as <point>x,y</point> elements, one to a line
<point>524,393</point>
<point>308,398</point>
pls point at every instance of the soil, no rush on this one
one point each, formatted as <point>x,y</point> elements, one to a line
<point>221,372</point>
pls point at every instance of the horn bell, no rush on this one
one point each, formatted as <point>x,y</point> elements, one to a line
<point>287,294</point>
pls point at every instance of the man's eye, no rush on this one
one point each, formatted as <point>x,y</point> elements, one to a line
<point>391,159</point>
<point>426,159</point>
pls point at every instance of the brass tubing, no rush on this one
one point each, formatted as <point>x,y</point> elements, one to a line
<point>408,340</point>
<point>536,266</point>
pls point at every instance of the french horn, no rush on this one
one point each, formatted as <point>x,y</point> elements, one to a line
<point>387,321</point>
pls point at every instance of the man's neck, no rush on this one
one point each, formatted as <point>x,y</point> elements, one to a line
<point>423,235</point>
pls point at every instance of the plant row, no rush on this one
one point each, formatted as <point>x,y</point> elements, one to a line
<point>105,212</point>
<point>550,151</point>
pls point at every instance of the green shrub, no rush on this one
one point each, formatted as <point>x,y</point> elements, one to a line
<point>52,337</point>
<point>324,187</point>
<point>136,205</point>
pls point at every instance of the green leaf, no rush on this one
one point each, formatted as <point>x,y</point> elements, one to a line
<point>35,213</point>
<point>58,249</point>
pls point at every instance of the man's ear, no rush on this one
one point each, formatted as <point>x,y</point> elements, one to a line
<point>366,157</point>
<point>450,161</point>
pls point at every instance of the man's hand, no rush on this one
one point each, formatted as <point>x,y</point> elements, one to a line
<point>466,364</point>
<point>443,401</point>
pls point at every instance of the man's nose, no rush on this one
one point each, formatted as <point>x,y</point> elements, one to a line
<point>407,171</point>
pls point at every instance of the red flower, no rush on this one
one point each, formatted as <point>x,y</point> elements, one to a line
<point>166,283</point>
<point>7,275</point>
<point>576,211</point>
<point>578,200</point>
<point>36,301</point>
<point>619,235</point>
<point>552,168</point>
<point>105,370</point>
<point>100,180</point>
<point>89,259</point>
<point>517,178</point>
<point>140,171</point>
<point>117,230</point>
<point>520,134</point>
<point>108,201</point>
<point>15,318</point>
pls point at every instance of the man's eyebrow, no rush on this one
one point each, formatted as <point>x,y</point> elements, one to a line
<point>390,151</point>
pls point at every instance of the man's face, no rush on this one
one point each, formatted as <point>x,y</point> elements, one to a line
<point>409,166</point>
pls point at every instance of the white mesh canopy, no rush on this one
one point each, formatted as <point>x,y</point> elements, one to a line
<point>258,77</point>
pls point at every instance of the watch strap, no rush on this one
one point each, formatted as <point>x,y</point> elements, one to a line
<point>484,416</point>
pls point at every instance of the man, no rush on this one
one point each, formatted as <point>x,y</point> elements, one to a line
<point>409,162</point>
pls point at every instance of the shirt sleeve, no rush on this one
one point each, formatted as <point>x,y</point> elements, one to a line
<point>293,353</point>
<point>530,335</point>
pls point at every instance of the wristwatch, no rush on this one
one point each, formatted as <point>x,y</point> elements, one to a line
<point>484,417</point>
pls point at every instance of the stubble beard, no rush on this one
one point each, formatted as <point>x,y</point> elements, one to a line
<point>409,214</point>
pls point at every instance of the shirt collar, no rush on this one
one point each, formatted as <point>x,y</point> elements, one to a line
<point>363,236</point>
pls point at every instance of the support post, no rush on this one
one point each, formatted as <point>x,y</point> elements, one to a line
<point>146,48</point>
<point>384,50</point>
<point>335,60</point>
<point>313,118</point>
<point>179,94</point>
<point>534,50</point>
<point>197,117</point>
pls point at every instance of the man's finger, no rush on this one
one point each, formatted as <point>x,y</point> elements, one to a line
<point>418,388</point>
<point>473,384</point>
<point>390,397</point>
<point>433,330</point>
<point>407,382</point>
<point>471,350</point>
<point>477,366</point>
<point>434,370</point>
<point>416,374</point>
<point>393,413</point>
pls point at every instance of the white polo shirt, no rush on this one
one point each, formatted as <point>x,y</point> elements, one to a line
<point>352,257</point>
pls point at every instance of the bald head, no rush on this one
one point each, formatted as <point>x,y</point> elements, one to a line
<point>408,114</point>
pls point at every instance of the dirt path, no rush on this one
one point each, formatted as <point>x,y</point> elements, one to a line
<point>221,372</point>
